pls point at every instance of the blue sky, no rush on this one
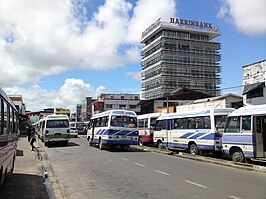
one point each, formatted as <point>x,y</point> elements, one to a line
<point>57,53</point>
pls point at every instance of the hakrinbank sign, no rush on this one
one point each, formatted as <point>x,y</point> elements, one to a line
<point>181,22</point>
<point>191,23</point>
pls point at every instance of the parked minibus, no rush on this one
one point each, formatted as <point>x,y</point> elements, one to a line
<point>9,123</point>
<point>146,124</point>
<point>245,134</point>
<point>192,130</point>
<point>114,127</point>
<point>55,128</point>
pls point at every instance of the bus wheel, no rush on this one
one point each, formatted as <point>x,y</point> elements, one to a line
<point>159,144</point>
<point>237,156</point>
<point>193,149</point>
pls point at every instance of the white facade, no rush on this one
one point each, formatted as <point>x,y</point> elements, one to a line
<point>225,101</point>
<point>254,79</point>
<point>121,101</point>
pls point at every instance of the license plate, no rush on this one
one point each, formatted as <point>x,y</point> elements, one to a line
<point>57,135</point>
<point>123,136</point>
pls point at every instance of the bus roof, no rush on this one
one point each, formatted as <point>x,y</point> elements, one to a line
<point>250,110</point>
<point>115,112</point>
<point>203,112</point>
<point>149,115</point>
<point>57,117</point>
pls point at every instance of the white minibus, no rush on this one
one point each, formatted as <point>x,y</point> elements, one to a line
<point>114,127</point>
<point>146,124</point>
<point>55,128</point>
<point>245,134</point>
<point>192,130</point>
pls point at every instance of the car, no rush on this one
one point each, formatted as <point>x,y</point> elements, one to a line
<point>73,132</point>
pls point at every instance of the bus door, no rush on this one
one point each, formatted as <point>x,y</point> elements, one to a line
<point>93,129</point>
<point>260,136</point>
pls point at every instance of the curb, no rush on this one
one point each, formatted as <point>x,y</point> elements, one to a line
<point>54,188</point>
<point>244,166</point>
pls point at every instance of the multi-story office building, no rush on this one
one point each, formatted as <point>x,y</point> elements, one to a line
<point>86,109</point>
<point>254,78</point>
<point>180,53</point>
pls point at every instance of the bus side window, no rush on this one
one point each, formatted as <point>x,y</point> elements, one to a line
<point>246,123</point>
<point>233,125</point>
<point>180,123</point>
<point>206,122</point>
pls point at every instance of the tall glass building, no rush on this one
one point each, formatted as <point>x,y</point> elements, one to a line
<point>180,53</point>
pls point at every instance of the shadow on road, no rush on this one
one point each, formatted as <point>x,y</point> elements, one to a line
<point>23,186</point>
<point>58,144</point>
<point>117,149</point>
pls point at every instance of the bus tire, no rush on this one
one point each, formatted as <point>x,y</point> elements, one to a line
<point>159,144</point>
<point>193,149</point>
<point>237,156</point>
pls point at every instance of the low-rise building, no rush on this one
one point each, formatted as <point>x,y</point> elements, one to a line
<point>254,78</point>
<point>107,102</point>
<point>224,101</point>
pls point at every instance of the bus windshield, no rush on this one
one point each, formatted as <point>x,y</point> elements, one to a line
<point>124,121</point>
<point>57,124</point>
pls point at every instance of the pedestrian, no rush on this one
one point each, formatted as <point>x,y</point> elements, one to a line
<point>33,138</point>
<point>29,132</point>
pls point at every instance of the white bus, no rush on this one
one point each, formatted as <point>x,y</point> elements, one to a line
<point>146,124</point>
<point>193,130</point>
<point>55,128</point>
<point>114,127</point>
<point>245,134</point>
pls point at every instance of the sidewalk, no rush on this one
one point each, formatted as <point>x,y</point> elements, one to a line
<point>27,181</point>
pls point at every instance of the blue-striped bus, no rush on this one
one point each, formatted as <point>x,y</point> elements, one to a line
<point>9,123</point>
<point>114,127</point>
<point>192,130</point>
<point>245,134</point>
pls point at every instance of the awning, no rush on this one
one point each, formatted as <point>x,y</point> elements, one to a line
<point>250,87</point>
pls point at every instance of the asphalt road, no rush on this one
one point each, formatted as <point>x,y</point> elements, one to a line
<point>87,172</point>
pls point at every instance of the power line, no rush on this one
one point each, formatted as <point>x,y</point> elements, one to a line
<point>231,87</point>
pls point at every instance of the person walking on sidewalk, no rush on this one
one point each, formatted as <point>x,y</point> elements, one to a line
<point>29,132</point>
<point>33,138</point>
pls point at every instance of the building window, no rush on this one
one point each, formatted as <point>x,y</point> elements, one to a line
<point>132,106</point>
<point>109,106</point>
<point>122,97</point>
<point>258,92</point>
<point>122,106</point>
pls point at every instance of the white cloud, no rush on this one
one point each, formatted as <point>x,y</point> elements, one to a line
<point>71,93</point>
<point>248,16</point>
<point>40,38</point>
<point>135,75</point>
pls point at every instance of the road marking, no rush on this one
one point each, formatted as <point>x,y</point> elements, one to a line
<point>199,185</point>
<point>234,197</point>
<point>167,174</point>
<point>142,165</point>
<point>124,159</point>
